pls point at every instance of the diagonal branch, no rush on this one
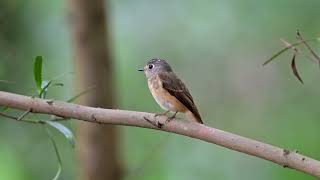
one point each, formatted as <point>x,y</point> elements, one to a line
<point>315,55</point>
<point>235,142</point>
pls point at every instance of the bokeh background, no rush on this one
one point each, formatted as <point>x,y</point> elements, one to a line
<point>216,47</point>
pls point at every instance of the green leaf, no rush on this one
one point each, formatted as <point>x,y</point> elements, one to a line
<point>56,177</point>
<point>37,72</point>
<point>44,88</point>
<point>64,130</point>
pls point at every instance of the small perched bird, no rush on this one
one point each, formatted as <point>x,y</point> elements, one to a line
<point>169,91</point>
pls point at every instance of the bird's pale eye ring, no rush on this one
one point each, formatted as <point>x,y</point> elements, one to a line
<point>150,66</point>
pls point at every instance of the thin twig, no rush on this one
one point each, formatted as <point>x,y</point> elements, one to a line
<point>316,56</point>
<point>294,48</point>
<point>24,114</point>
<point>31,121</point>
<point>287,48</point>
<point>81,93</point>
<point>55,148</point>
<point>17,118</point>
<point>289,45</point>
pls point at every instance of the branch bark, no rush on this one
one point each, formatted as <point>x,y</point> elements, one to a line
<point>235,142</point>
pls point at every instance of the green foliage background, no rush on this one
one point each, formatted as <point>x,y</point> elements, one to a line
<point>217,48</point>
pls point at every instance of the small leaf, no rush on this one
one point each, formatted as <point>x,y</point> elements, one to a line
<point>64,130</point>
<point>56,177</point>
<point>294,68</point>
<point>37,72</point>
<point>44,88</point>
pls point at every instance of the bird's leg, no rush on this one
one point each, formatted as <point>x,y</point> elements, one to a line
<point>170,118</point>
<point>162,114</point>
<point>160,124</point>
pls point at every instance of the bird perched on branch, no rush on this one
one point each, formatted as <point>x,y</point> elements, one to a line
<point>169,91</point>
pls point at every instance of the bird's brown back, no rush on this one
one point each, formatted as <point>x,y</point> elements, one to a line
<point>176,88</point>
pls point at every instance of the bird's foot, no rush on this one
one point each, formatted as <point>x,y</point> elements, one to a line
<point>161,114</point>
<point>170,118</point>
<point>158,123</point>
<point>154,123</point>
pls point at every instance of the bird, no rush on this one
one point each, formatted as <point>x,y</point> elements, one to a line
<point>169,91</point>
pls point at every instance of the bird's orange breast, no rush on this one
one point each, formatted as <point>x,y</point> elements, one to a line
<point>163,97</point>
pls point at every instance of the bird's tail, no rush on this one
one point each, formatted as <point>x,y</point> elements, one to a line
<point>193,117</point>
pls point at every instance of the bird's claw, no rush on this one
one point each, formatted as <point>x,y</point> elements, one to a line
<point>156,123</point>
<point>169,119</point>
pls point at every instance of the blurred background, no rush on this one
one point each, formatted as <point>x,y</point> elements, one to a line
<point>216,47</point>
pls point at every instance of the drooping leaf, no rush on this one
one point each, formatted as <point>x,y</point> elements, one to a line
<point>37,72</point>
<point>294,68</point>
<point>64,130</point>
<point>44,88</point>
<point>56,177</point>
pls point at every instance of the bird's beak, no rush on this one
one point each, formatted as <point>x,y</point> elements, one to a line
<point>141,69</point>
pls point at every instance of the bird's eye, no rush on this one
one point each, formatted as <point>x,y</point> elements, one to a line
<point>151,66</point>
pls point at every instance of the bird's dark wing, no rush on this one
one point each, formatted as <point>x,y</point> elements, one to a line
<point>176,88</point>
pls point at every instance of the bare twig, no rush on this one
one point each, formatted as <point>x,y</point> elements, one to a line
<point>17,118</point>
<point>24,114</point>
<point>283,157</point>
<point>315,55</point>
<point>295,49</point>
<point>31,121</point>
<point>289,45</point>
<point>287,48</point>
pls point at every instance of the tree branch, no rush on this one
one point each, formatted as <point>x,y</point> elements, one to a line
<point>248,146</point>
